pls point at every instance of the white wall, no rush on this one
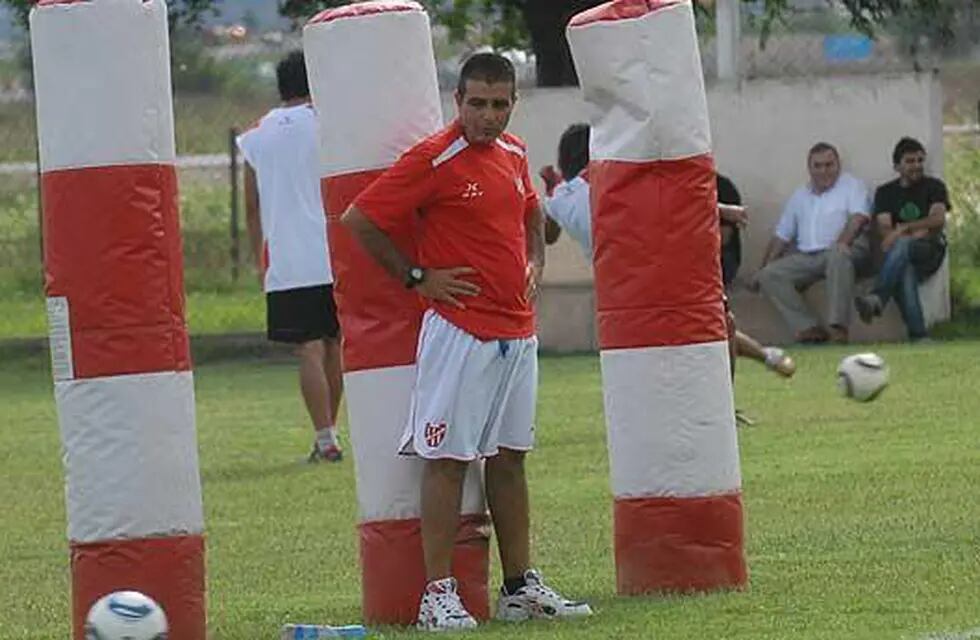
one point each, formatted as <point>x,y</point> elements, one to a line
<point>762,130</point>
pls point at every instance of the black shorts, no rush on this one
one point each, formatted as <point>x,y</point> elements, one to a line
<point>301,315</point>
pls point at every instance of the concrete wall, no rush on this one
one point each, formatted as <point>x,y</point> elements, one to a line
<point>762,130</point>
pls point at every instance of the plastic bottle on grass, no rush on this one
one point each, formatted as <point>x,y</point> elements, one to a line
<point>318,631</point>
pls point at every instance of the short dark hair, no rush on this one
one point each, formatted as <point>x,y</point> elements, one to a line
<point>820,147</point>
<point>488,67</point>
<point>573,150</point>
<point>906,145</point>
<point>291,77</point>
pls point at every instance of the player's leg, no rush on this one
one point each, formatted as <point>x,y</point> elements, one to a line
<point>774,358</point>
<point>507,497</point>
<point>295,316</point>
<point>325,371</point>
<point>730,332</point>
<point>335,375</point>
<point>448,414</point>
<point>316,395</point>
<point>332,362</point>
<point>524,594</point>
<point>442,492</point>
<point>441,608</point>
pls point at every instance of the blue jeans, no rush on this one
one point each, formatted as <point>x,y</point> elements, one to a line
<point>897,279</point>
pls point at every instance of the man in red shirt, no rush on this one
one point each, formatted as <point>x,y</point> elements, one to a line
<point>479,232</point>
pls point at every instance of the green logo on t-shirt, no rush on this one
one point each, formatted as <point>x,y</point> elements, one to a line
<point>909,212</point>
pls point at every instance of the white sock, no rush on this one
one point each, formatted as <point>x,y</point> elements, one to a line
<point>326,438</point>
<point>773,355</point>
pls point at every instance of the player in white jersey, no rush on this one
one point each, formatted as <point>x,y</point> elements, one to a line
<point>287,228</point>
<point>567,208</point>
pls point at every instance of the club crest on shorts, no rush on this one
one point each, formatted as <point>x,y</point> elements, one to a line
<point>435,433</point>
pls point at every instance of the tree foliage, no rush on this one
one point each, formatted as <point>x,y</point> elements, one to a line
<point>539,24</point>
<point>179,11</point>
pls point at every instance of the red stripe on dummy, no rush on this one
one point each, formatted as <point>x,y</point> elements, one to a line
<point>112,246</point>
<point>678,544</point>
<point>169,570</point>
<point>394,569</point>
<point>380,318</point>
<point>658,282</point>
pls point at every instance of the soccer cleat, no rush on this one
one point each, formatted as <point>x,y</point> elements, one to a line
<point>742,419</point>
<point>442,610</point>
<point>778,361</point>
<point>868,307</point>
<point>332,453</point>
<point>537,600</point>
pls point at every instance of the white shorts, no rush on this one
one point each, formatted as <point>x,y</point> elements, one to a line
<point>471,396</point>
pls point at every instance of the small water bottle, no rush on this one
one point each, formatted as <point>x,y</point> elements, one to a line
<point>318,631</point>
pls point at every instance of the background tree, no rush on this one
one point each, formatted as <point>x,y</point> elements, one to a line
<point>535,24</point>
<point>179,11</point>
<point>540,24</point>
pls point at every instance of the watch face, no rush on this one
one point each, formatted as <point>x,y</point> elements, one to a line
<point>416,274</point>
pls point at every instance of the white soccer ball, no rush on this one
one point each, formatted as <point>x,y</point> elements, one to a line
<point>126,615</point>
<point>862,376</point>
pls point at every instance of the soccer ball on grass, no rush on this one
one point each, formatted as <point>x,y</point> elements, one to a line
<point>126,615</point>
<point>862,376</point>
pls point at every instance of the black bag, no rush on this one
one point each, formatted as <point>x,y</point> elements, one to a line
<point>927,254</point>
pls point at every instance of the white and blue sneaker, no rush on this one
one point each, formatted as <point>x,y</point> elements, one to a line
<point>442,610</point>
<point>538,601</point>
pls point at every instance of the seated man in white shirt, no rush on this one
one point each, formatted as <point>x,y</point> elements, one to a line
<point>824,221</point>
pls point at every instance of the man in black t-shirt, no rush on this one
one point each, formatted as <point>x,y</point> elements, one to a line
<point>910,212</point>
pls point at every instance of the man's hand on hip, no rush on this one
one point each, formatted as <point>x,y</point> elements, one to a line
<point>446,285</point>
<point>533,279</point>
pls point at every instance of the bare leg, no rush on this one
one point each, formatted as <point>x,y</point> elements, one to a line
<point>442,493</point>
<point>747,346</point>
<point>335,375</point>
<point>774,359</point>
<point>508,501</point>
<point>313,383</point>
<point>730,330</point>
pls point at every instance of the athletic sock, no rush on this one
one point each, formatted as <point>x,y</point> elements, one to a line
<point>511,585</point>
<point>326,438</point>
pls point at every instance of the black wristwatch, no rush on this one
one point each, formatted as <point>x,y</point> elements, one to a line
<point>414,277</point>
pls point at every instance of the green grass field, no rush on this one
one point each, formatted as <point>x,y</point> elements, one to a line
<point>862,520</point>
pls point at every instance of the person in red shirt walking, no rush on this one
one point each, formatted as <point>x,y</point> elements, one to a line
<point>479,233</point>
